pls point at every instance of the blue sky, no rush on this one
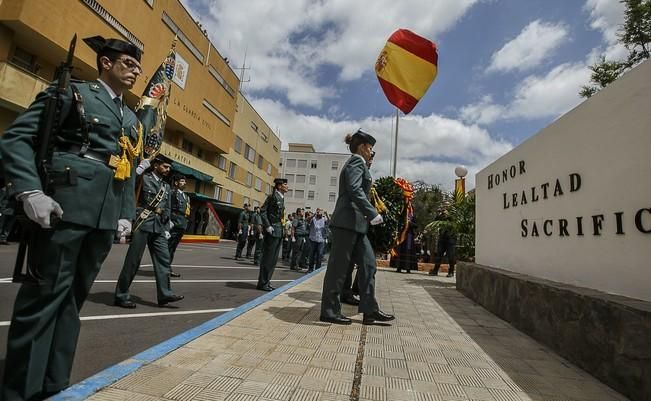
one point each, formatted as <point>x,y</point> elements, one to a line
<point>507,68</point>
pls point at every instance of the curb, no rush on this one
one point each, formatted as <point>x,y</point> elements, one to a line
<point>108,376</point>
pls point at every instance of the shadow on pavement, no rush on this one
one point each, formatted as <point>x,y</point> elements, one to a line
<point>297,315</point>
<point>241,286</point>
<point>312,297</point>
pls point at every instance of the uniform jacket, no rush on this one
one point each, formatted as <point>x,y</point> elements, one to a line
<point>94,198</point>
<point>353,211</point>
<point>244,220</point>
<point>180,203</point>
<point>155,222</point>
<point>272,212</point>
<point>300,226</point>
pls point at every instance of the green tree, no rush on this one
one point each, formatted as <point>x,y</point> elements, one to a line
<point>461,221</point>
<point>635,34</point>
<point>427,201</point>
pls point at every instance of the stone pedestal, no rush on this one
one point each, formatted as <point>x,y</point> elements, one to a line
<point>608,336</point>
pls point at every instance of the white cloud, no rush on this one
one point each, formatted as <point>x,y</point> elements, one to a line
<point>429,146</point>
<point>606,16</point>
<point>287,43</point>
<point>530,48</point>
<point>537,96</point>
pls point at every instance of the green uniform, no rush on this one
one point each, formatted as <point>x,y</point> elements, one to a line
<point>45,322</point>
<point>299,246</point>
<point>271,213</point>
<point>251,239</point>
<point>180,213</point>
<point>243,226</point>
<point>257,220</point>
<point>150,233</point>
<point>7,214</point>
<point>349,225</point>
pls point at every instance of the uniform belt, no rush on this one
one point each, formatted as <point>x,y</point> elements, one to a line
<point>156,210</point>
<point>105,158</point>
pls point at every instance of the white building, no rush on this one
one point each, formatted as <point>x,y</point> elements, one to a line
<point>313,177</point>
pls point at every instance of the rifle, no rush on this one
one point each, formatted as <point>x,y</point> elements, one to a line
<point>48,127</point>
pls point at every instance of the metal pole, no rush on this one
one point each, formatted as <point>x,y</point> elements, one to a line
<point>395,147</point>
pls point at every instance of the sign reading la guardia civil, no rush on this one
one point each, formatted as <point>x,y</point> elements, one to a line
<point>565,226</point>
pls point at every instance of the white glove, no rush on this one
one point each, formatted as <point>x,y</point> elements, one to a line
<point>124,227</point>
<point>293,239</point>
<point>377,220</point>
<point>167,235</point>
<point>260,236</point>
<point>239,232</point>
<point>144,165</point>
<point>38,207</point>
<point>270,230</point>
<point>171,225</point>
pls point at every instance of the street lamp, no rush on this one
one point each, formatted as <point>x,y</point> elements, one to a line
<point>460,183</point>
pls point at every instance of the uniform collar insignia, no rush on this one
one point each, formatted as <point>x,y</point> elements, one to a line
<point>94,86</point>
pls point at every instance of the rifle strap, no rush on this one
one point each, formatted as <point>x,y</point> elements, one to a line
<point>150,207</point>
<point>83,123</point>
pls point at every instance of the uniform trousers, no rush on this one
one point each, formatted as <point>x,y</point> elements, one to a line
<point>45,323</point>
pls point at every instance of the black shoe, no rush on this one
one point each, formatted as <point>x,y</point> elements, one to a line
<point>4,242</point>
<point>352,300</point>
<point>174,274</point>
<point>377,316</point>
<point>433,272</point>
<point>450,275</point>
<point>267,288</point>
<point>336,320</point>
<point>171,298</point>
<point>124,304</point>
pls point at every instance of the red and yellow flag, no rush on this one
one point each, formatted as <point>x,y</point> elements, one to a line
<point>406,68</point>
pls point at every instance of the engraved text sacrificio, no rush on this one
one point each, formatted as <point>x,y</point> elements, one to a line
<point>592,225</point>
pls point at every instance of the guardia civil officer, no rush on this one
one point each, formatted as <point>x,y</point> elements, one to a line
<point>259,234</point>
<point>300,232</point>
<point>272,213</point>
<point>180,216</point>
<point>90,201</point>
<point>242,230</point>
<point>349,224</point>
<point>150,229</point>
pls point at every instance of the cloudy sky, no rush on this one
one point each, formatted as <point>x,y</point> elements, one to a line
<point>507,68</point>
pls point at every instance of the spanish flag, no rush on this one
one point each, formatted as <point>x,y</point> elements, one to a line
<point>406,68</point>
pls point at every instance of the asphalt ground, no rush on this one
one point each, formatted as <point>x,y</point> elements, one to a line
<point>211,281</point>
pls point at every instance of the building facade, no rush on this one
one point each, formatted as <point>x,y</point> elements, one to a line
<point>200,128</point>
<point>313,177</point>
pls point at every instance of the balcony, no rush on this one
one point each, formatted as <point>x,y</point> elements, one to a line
<point>18,88</point>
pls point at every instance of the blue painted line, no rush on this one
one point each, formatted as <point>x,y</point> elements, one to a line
<point>108,376</point>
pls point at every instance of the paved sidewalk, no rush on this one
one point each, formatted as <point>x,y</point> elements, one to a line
<point>441,347</point>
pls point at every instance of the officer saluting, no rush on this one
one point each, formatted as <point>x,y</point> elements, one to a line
<point>272,213</point>
<point>150,229</point>
<point>90,200</point>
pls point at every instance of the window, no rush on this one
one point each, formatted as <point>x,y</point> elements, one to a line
<point>218,192</point>
<point>260,161</point>
<point>269,169</point>
<point>247,200</point>
<point>254,126</point>
<point>221,162</point>
<point>290,193</point>
<point>275,149</point>
<point>291,163</point>
<point>229,197</point>
<point>187,145</point>
<point>249,180</point>
<point>290,178</point>
<point>313,164</point>
<point>268,190</point>
<point>232,170</point>
<point>313,180</point>
<point>335,164</point>
<point>249,153</point>
<point>302,164</point>
<point>200,153</point>
<point>238,144</point>
<point>280,163</point>
<point>333,181</point>
<point>332,196</point>
<point>300,178</point>
<point>24,59</point>
<point>258,184</point>
<point>299,194</point>
<point>256,203</point>
<point>310,195</point>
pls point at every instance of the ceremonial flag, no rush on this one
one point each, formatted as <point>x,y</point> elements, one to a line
<point>406,68</point>
<point>152,107</point>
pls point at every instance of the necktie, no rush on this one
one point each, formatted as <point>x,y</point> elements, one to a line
<point>118,102</point>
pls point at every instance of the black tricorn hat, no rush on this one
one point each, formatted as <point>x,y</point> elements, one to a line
<point>363,137</point>
<point>280,181</point>
<point>101,45</point>
<point>162,159</point>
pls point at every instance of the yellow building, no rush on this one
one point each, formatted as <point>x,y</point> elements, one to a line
<point>34,38</point>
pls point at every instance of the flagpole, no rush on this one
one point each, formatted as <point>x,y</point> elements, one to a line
<point>395,146</point>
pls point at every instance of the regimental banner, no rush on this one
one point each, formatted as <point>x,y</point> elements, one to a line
<point>181,71</point>
<point>572,204</point>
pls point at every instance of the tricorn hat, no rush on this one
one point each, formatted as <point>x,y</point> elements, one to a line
<point>101,45</point>
<point>280,181</point>
<point>363,137</point>
<point>162,159</point>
